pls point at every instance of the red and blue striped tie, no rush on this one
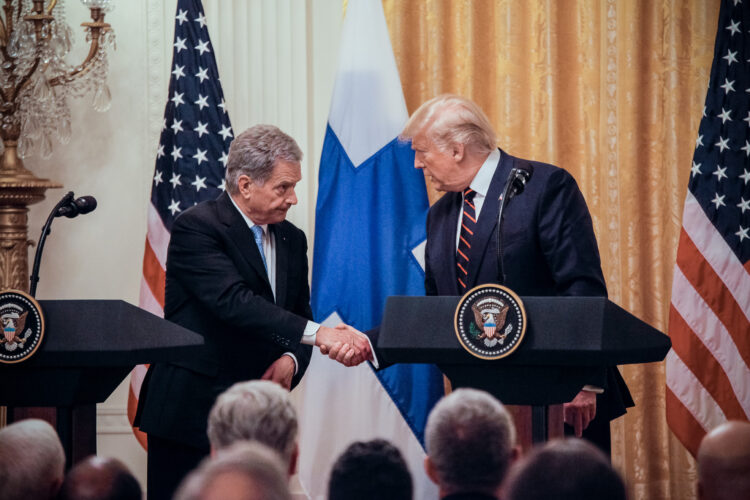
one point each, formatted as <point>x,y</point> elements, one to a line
<point>468,224</point>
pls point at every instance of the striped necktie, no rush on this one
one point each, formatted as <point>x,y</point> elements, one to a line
<point>468,224</point>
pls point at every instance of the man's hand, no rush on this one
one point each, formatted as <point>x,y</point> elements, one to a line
<point>281,371</point>
<point>344,344</point>
<point>581,411</point>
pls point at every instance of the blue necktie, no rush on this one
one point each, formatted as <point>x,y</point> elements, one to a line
<point>258,234</point>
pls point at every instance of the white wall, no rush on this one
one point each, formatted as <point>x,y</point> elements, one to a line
<point>277,61</point>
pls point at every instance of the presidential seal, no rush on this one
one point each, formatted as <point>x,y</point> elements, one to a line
<point>23,326</point>
<point>490,321</point>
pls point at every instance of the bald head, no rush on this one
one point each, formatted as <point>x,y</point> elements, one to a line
<point>99,478</point>
<point>724,462</point>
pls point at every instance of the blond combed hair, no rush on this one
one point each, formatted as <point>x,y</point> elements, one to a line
<point>451,119</point>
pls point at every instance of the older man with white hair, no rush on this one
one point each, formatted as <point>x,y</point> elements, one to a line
<point>244,471</point>
<point>257,410</point>
<point>470,440</point>
<point>32,461</point>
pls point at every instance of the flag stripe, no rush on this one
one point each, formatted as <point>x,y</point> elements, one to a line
<point>157,236</point>
<point>147,300</point>
<point>707,327</point>
<point>718,254</point>
<point>707,284</point>
<point>696,399</point>
<point>690,349</point>
<point>153,274</point>
<point>683,423</point>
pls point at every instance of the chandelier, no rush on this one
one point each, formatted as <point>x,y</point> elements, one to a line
<point>35,79</point>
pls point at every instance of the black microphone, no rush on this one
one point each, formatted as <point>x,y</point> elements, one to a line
<point>79,206</point>
<point>515,184</point>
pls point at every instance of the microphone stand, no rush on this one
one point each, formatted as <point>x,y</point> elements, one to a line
<point>40,247</point>
<point>514,185</point>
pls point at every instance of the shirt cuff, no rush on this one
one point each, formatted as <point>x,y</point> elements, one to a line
<point>593,388</point>
<point>294,358</point>
<point>311,331</point>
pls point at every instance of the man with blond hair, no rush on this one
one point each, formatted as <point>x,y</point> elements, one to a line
<point>548,242</point>
<point>258,410</point>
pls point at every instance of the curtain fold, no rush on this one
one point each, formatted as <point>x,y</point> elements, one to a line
<point>612,91</point>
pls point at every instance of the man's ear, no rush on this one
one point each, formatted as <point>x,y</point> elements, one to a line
<point>244,185</point>
<point>458,151</point>
<point>429,468</point>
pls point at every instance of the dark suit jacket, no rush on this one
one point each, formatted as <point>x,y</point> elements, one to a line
<point>217,286</point>
<point>548,243</point>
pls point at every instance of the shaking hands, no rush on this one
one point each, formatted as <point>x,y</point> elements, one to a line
<point>345,344</point>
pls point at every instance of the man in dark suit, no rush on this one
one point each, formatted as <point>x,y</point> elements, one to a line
<point>548,242</point>
<point>237,274</point>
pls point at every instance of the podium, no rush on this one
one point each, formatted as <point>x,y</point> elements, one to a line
<point>567,341</point>
<point>89,347</point>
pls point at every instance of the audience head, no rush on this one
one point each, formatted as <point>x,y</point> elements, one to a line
<point>724,462</point>
<point>33,461</point>
<point>566,469</point>
<point>370,470</point>
<point>259,410</point>
<point>470,440</point>
<point>99,478</point>
<point>244,471</point>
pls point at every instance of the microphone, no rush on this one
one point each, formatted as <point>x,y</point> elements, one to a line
<point>79,206</point>
<point>517,179</point>
<point>69,207</point>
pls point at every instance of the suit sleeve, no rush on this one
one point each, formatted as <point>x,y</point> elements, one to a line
<point>430,287</point>
<point>198,261</point>
<point>569,245</point>
<point>567,239</point>
<point>303,352</point>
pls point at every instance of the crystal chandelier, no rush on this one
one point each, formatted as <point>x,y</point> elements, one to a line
<point>35,79</point>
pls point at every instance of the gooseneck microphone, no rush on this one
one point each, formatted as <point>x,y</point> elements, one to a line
<point>79,206</point>
<point>515,184</point>
<point>68,206</point>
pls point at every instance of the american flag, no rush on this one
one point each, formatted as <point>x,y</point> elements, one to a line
<point>190,159</point>
<point>708,368</point>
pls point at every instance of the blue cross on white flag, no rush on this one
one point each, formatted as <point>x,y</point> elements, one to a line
<point>369,242</point>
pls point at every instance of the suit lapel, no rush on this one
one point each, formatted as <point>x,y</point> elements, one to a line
<point>447,239</point>
<point>282,262</point>
<point>480,242</point>
<point>241,235</point>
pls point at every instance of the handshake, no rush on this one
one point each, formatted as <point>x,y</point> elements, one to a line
<point>345,344</point>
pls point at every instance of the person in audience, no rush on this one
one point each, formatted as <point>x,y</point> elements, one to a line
<point>724,462</point>
<point>470,441</point>
<point>99,478</point>
<point>564,469</point>
<point>258,410</point>
<point>244,471</point>
<point>32,461</point>
<point>370,470</point>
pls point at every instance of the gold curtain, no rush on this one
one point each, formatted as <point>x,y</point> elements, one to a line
<point>611,90</point>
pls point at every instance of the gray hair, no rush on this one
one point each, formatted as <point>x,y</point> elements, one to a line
<point>258,410</point>
<point>469,439</point>
<point>254,153</point>
<point>450,119</point>
<point>33,460</point>
<point>257,463</point>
